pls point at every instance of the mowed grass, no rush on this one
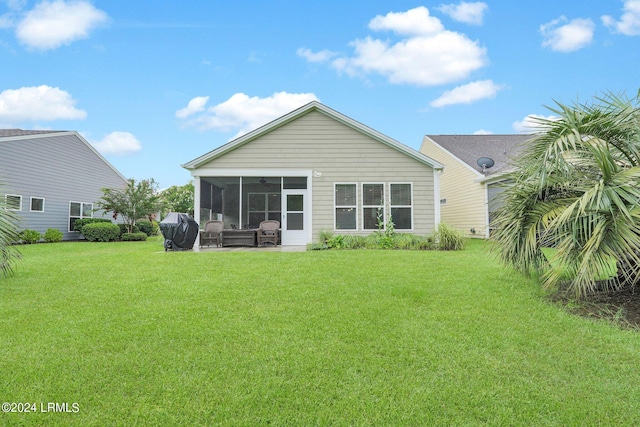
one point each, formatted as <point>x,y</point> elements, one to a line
<point>138,336</point>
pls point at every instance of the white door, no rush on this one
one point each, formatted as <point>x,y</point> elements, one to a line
<point>295,217</point>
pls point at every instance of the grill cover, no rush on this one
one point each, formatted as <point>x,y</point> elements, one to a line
<point>179,230</point>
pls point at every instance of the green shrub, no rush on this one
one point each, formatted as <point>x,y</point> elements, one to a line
<point>449,239</point>
<point>80,223</point>
<point>101,232</point>
<point>324,236</point>
<point>134,237</point>
<point>411,242</point>
<point>123,229</point>
<point>53,235</point>
<point>30,236</point>
<point>148,227</point>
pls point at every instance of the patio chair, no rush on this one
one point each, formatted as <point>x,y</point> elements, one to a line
<point>267,232</point>
<point>212,233</point>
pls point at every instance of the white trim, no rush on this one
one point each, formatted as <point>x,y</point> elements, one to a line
<point>411,206</point>
<point>31,204</point>
<point>213,172</point>
<point>436,198</point>
<point>486,210</point>
<point>336,206</point>
<point>363,206</point>
<point>6,204</point>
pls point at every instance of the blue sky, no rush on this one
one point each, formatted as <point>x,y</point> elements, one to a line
<point>154,84</point>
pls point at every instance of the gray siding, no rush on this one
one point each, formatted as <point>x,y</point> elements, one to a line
<point>317,142</point>
<point>58,167</point>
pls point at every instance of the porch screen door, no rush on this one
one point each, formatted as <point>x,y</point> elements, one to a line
<point>294,224</point>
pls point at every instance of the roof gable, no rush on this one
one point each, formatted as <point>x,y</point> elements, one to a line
<point>467,149</point>
<point>295,114</point>
<point>12,135</point>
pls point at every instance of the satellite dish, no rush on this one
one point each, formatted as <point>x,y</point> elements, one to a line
<point>485,163</point>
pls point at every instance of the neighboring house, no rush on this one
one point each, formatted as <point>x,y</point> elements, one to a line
<point>52,178</point>
<point>315,170</point>
<point>470,192</point>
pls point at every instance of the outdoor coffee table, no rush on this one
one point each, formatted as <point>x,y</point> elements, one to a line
<point>239,237</point>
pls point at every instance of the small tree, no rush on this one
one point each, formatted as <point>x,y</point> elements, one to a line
<point>138,199</point>
<point>178,198</point>
<point>9,234</point>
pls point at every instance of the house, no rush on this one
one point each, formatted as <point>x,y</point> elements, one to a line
<point>315,169</point>
<point>475,176</point>
<point>52,178</point>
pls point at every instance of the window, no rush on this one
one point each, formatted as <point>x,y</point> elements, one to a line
<point>263,206</point>
<point>37,204</point>
<point>372,206</point>
<point>78,210</point>
<point>346,208</point>
<point>13,202</point>
<point>401,206</point>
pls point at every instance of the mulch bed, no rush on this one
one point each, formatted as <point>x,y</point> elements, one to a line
<point>622,307</point>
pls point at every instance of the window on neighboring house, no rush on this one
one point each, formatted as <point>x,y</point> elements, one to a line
<point>401,202</point>
<point>346,207</point>
<point>372,206</point>
<point>37,204</point>
<point>78,210</point>
<point>13,202</point>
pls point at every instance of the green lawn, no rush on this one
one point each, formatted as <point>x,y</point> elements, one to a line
<point>137,336</point>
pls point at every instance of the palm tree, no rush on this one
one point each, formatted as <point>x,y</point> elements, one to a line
<point>577,189</point>
<point>9,235</point>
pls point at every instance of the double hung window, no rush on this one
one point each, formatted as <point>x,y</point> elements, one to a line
<point>401,204</point>
<point>346,206</point>
<point>372,206</point>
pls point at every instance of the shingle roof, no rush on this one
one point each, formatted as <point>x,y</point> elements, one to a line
<point>7,133</point>
<point>469,148</point>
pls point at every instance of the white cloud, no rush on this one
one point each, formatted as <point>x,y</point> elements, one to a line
<point>531,123</point>
<point>118,143</point>
<point>428,55</point>
<point>629,23</point>
<point>562,35</point>
<point>38,103</point>
<point>51,24</point>
<point>468,93</point>
<point>242,113</point>
<point>194,106</point>
<point>318,57</point>
<point>469,13</point>
<point>415,21</point>
<point>483,132</point>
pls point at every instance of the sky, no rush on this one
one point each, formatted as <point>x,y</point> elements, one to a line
<point>154,84</point>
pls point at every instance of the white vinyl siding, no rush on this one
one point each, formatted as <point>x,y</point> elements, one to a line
<point>58,167</point>
<point>466,201</point>
<point>336,153</point>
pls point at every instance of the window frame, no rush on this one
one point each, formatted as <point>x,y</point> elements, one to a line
<point>380,207</point>
<point>7,205</point>
<point>31,204</point>
<point>410,206</point>
<point>337,206</point>
<point>82,216</point>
